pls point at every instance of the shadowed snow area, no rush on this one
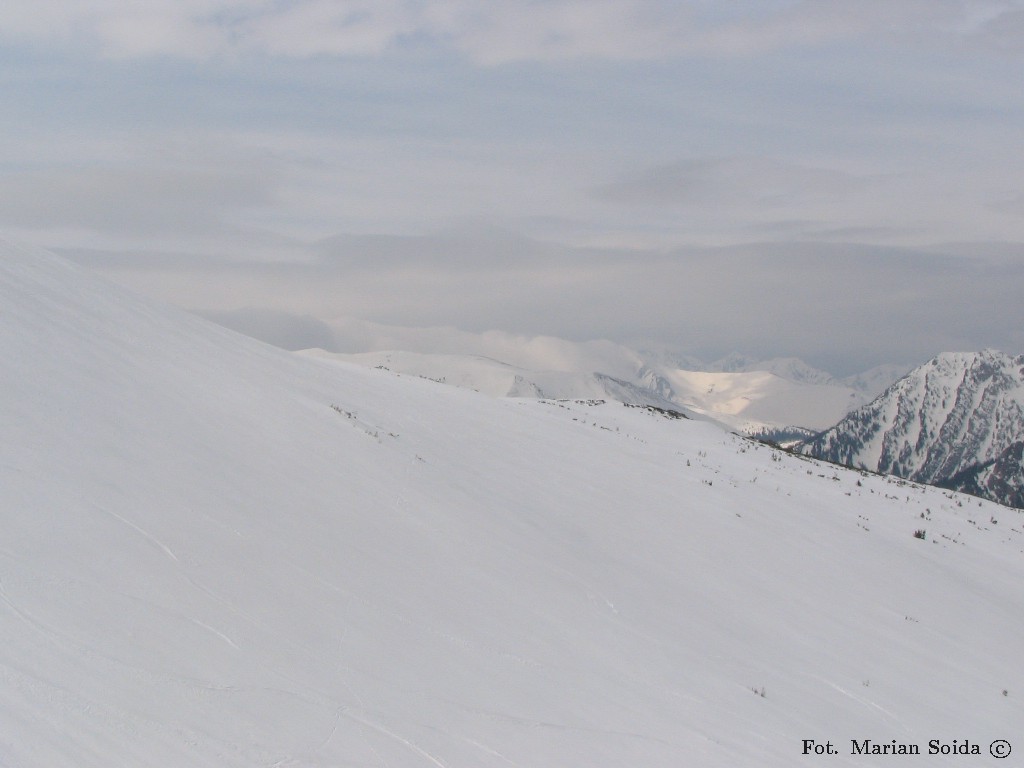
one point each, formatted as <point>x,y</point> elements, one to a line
<point>216,553</point>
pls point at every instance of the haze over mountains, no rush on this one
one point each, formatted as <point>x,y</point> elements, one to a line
<point>746,394</point>
<point>217,553</point>
<point>970,441</point>
<point>957,421</point>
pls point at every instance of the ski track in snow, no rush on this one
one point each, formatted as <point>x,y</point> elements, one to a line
<point>864,702</point>
<point>392,735</point>
<point>545,725</point>
<point>593,595</point>
<point>142,532</point>
<point>489,751</point>
<point>42,629</point>
<point>217,632</point>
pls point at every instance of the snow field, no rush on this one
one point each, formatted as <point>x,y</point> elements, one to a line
<point>219,554</point>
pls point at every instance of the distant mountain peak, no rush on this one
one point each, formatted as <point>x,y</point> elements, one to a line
<point>958,411</point>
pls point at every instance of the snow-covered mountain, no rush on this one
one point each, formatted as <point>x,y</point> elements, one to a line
<point>874,381</point>
<point>960,415</point>
<point>755,397</point>
<point>751,400</point>
<point>789,368</point>
<point>499,379</point>
<point>216,553</point>
<point>1000,479</point>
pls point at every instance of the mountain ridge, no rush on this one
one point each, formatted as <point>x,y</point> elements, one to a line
<point>751,397</point>
<point>946,419</point>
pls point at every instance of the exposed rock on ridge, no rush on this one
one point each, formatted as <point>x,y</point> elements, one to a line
<point>943,423</point>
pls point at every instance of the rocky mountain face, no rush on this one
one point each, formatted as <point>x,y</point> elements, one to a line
<point>956,421</point>
<point>1000,480</point>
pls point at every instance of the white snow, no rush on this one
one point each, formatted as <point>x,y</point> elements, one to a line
<point>743,400</point>
<point>751,399</point>
<point>483,374</point>
<point>215,553</point>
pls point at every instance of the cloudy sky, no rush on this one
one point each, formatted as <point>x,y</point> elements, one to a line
<point>841,181</point>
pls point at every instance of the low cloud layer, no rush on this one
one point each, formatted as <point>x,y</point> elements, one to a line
<point>843,308</point>
<point>769,178</point>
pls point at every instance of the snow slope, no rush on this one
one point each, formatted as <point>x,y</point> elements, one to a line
<point>216,553</point>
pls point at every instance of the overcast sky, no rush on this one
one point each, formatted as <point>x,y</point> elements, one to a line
<point>841,181</point>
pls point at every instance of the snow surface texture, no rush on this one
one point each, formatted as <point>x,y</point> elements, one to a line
<point>744,396</point>
<point>216,553</point>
